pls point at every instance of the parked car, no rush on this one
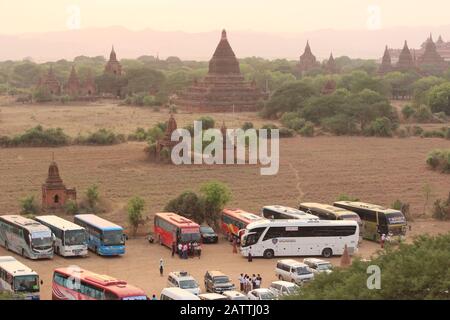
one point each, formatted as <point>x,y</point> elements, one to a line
<point>208,235</point>
<point>217,282</point>
<point>261,294</point>
<point>293,271</point>
<point>234,295</point>
<point>177,294</point>
<point>283,288</point>
<point>183,280</point>
<point>318,265</point>
<point>212,296</point>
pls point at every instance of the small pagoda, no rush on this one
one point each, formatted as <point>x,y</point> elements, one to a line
<point>224,88</point>
<point>386,63</point>
<point>331,66</point>
<point>73,85</point>
<point>113,65</point>
<point>308,61</point>
<point>49,83</point>
<point>54,193</point>
<point>166,143</point>
<point>405,60</point>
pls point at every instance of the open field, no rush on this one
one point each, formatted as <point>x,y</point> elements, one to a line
<point>140,264</point>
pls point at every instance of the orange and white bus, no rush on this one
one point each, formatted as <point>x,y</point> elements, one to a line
<point>171,227</point>
<point>234,222</point>
<point>78,284</point>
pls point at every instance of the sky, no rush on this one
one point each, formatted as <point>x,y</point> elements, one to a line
<point>272,16</point>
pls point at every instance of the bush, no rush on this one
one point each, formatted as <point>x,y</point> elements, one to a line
<point>433,134</point>
<point>71,207</point>
<point>92,196</point>
<point>423,114</point>
<point>286,133</point>
<point>340,124</point>
<point>207,122</point>
<point>189,205</point>
<point>439,159</point>
<point>441,209</point>
<point>402,133</point>
<point>269,127</point>
<point>28,205</point>
<point>407,111</point>
<point>307,130</point>
<point>37,137</point>
<point>101,137</point>
<point>247,125</point>
<point>346,197</point>
<point>380,127</point>
<point>134,209</point>
<point>417,131</point>
<point>292,120</point>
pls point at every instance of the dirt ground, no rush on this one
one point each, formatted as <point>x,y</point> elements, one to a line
<point>140,265</point>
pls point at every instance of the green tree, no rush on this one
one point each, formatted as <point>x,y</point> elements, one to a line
<point>28,205</point>
<point>439,98</point>
<point>216,195</point>
<point>189,205</point>
<point>92,196</point>
<point>134,209</point>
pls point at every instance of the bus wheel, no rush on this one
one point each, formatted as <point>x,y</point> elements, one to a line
<point>268,254</point>
<point>327,252</point>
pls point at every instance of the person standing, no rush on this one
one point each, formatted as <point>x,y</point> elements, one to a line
<point>174,248</point>
<point>180,250</point>
<point>383,239</point>
<point>241,282</point>
<point>185,251</point>
<point>250,258</point>
<point>234,245</point>
<point>199,250</point>
<point>259,280</point>
<point>161,267</point>
<point>254,281</point>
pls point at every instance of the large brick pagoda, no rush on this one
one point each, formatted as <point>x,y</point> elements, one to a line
<point>54,192</point>
<point>223,89</point>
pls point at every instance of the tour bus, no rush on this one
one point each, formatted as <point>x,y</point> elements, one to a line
<point>70,239</point>
<point>104,237</point>
<point>377,220</point>
<point>79,284</point>
<point>282,212</point>
<point>299,237</point>
<point>171,227</point>
<point>234,221</point>
<point>19,280</point>
<point>26,237</point>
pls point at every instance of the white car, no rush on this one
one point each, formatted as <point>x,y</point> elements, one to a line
<point>293,271</point>
<point>318,265</point>
<point>283,288</point>
<point>183,280</point>
<point>261,294</point>
<point>234,295</point>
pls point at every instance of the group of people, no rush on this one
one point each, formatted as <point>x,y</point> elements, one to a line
<point>247,283</point>
<point>186,250</point>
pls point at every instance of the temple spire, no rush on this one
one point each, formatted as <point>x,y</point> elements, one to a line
<point>224,34</point>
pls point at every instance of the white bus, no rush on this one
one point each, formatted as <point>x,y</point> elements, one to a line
<point>18,280</point>
<point>282,212</point>
<point>299,237</point>
<point>27,237</point>
<point>70,238</point>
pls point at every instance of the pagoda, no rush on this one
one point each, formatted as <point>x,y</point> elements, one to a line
<point>166,141</point>
<point>54,192</point>
<point>73,85</point>
<point>431,57</point>
<point>113,66</point>
<point>307,60</point>
<point>405,60</point>
<point>49,83</point>
<point>386,63</point>
<point>224,88</point>
<point>330,66</point>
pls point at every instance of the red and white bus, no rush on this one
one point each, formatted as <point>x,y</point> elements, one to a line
<point>234,222</point>
<point>78,284</point>
<point>171,227</point>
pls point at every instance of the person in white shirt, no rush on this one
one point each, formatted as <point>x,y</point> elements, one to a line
<point>241,282</point>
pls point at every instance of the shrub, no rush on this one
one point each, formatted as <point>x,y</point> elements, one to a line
<point>340,124</point>
<point>101,137</point>
<point>269,128</point>
<point>417,131</point>
<point>423,114</point>
<point>149,101</point>
<point>134,209</point>
<point>92,196</point>
<point>292,120</point>
<point>402,133</point>
<point>286,133</point>
<point>441,209</point>
<point>71,207</point>
<point>307,130</point>
<point>380,127</point>
<point>42,96</point>
<point>247,125</point>
<point>189,205</point>
<point>439,159</point>
<point>207,122</point>
<point>28,205</point>
<point>346,197</point>
<point>37,137</point>
<point>433,134</point>
<point>407,111</point>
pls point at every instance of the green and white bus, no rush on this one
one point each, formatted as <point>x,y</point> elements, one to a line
<point>377,220</point>
<point>26,237</point>
<point>18,280</point>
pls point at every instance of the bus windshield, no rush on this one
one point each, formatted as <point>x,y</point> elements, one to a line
<point>395,218</point>
<point>74,237</point>
<point>350,217</point>
<point>113,238</point>
<point>190,237</point>
<point>26,283</point>
<point>41,240</point>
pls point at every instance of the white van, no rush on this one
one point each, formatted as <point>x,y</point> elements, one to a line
<point>183,280</point>
<point>177,294</point>
<point>212,296</point>
<point>283,288</point>
<point>234,295</point>
<point>293,271</point>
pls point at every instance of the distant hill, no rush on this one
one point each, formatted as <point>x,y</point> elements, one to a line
<point>200,46</point>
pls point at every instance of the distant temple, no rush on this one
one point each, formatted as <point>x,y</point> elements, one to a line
<point>165,142</point>
<point>113,66</point>
<point>330,65</point>
<point>49,83</point>
<point>54,192</point>
<point>307,60</point>
<point>223,88</point>
<point>386,63</point>
<point>405,59</point>
<point>73,85</point>
<point>431,58</point>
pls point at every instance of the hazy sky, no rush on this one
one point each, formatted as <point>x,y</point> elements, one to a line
<point>18,16</point>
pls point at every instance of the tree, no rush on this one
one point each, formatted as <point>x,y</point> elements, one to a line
<point>439,98</point>
<point>28,205</point>
<point>402,275</point>
<point>216,195</point>
<point>207,122</point>
<point>134,209</point>
<point>189,205</point>
<point>92,195</point>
